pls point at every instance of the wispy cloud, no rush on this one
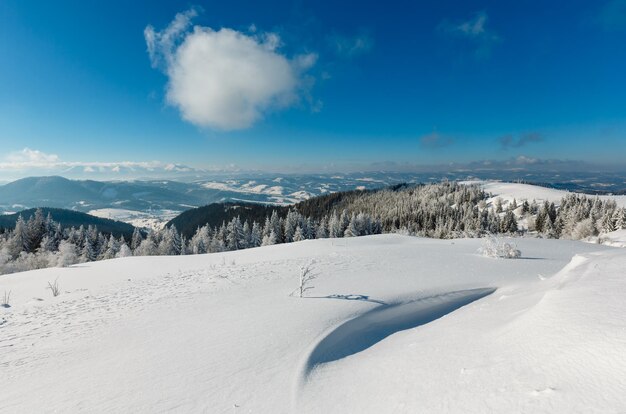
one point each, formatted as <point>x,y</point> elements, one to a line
<point>612,15</point>
<point>510,141</point>
<point>226,79</point>
<point>435,140</point>
<point>474,30</point>
<point>28,156</point>
<point>350,46</point>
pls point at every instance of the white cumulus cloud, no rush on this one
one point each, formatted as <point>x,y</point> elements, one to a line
<point>28,156</point>
<point>226,79</point>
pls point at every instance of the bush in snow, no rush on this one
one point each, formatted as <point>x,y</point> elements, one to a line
<point>66,255</point>
<point>6,300</point>
<point>493,247</point>
<point>583,229</point>
<point>306,277</point>
<point>54,288</point>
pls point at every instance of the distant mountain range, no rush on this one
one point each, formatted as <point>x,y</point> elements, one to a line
<point>164,195</point>
<point>88,195</point>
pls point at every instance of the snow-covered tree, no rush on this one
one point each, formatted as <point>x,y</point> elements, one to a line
<point>124,251</point>
<point>256,237</point>
<point>270,239</point>
<point>136,239</point>
<point>620,219</point>
<point>298,234</point>
<point>66,255</point>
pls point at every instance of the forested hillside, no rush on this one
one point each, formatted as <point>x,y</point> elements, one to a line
<point>70,218</point>
<point>216,214</point>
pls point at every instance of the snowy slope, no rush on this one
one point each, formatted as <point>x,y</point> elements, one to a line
<point>521,192</point>
<point>219,333</point>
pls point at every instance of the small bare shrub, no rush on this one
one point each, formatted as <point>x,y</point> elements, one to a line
<point>6,300</point>
<point>306,277</point>
<point>54,287</point>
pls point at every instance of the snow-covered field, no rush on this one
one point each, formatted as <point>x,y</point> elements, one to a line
<point>526,192</point>
<point>395,324</point>
<point>615,238</point>
<point>275,194</point>
<point>154,220</point>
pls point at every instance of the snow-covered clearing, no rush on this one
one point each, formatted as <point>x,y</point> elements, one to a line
<point>615,238</point>
<point>154,219</point>
<point>394,324</point>
<point>527,192</point>
<point>276,194</point>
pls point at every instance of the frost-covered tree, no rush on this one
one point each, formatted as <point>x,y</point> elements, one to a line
<point>585,228</point>
<point>508,224</point>
<point>20,241</point>
<point>247,234</point>
<point>200,241</point>
<point>256,237</point>
<point>298,234</point>
<point>607,224</point>
<point>124,251</point>
<point>147,247</point>
<point>112,248</point>
<point>36,230</point>
<point>334,226</point>
<point>136,239</point>
<point>66,255</point>
<point>352,228</point>
<point>322,229</point>
<point>498,205</point>
<point>291,221</point>
<point>270,239</point>
<point>620,219</point>
<point>235,238</point>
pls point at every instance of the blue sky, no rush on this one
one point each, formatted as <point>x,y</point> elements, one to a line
<point>274,85</point>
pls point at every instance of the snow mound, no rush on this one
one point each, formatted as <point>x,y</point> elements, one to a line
<point>365,330</point>
<point>615,238</point>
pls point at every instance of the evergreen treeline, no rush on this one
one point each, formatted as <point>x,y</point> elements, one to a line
<point>41,242</point>
<point>445,210</point>
<point>215,214</point>
<point>71,218</point>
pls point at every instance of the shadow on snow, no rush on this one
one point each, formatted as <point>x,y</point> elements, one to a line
<point>362,332</point>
